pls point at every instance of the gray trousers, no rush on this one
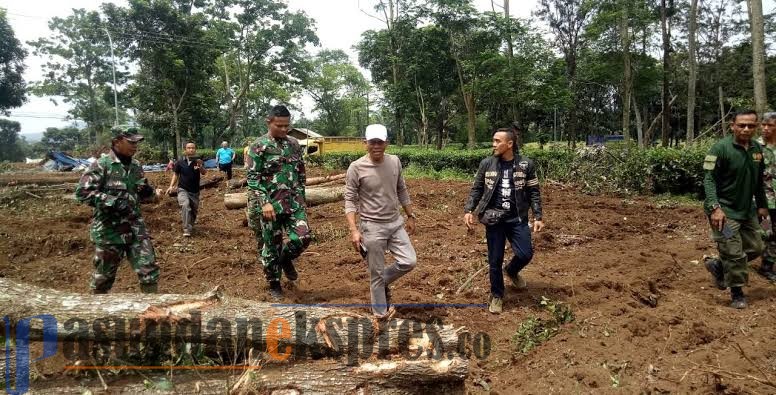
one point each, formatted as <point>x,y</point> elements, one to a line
<point>378,237</point>
<point>189,203</point>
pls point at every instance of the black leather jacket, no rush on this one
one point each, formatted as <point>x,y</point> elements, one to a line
<point>526,187</point>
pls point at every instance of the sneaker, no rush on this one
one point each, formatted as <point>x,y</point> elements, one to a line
<point>495,305</point>
<point>517,280</point>
<point>714,266</point>
<point>767,272</point>
<point>275,290</point>
<point>186,234</point>
<point>387,316</point>
<point>739,302</point>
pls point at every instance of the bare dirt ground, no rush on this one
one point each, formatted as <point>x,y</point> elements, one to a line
<point>647,319</point>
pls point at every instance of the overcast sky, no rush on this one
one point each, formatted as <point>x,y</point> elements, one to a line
<point>339,26</point>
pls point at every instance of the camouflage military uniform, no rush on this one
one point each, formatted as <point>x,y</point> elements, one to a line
<point>769,182</point>
<point>277,176</point>
<point>115,190</point>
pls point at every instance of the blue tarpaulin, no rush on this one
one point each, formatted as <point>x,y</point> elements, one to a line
<point>64,162</point>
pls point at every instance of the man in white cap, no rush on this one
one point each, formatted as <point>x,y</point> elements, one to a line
<point>374,188</point>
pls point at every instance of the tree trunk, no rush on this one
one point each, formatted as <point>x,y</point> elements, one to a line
<point>758,54</point>
<point>626,79</point>
<point>400,377</point>
<point>639,125</point>
<point>665,107</point>
<point>692,70</point>
<point>236,184</point>
<point>313,197</point>
<point>721,97</point>
<point>232,324</point>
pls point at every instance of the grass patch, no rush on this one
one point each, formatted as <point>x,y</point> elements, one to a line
<point>420,172</point>
<point>534,331</point>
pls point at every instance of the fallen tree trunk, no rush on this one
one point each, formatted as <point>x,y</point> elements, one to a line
<point>319,377</point>
<point>313,197</point>
<point>236,184</point>
<point>226,323</point>
<point>203,184</point>
<point>12,179</point>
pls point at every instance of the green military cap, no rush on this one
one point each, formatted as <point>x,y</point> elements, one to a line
<point>129,133</point>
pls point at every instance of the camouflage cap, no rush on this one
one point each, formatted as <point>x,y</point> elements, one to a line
<point>129,133</point>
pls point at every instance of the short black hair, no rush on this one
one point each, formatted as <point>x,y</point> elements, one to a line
<point>278,111</point>
<point>189,142</point>
<point>741,113</point>
<point>510,134</point>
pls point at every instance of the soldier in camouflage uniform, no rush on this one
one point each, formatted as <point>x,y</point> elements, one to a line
<point>276,199</point>
<point>768,143</point>
<point>114,185</point>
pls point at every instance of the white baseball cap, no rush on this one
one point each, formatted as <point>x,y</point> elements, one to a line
<point>376,131</point>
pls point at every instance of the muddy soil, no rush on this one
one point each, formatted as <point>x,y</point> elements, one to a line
<point>647,319</point>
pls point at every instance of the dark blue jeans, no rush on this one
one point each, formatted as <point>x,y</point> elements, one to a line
<point>519,236</point>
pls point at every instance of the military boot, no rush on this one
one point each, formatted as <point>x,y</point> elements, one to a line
<point>739,300</point>
<point>288,267</point>
<point>149,288</point>
<point>766,270</point>
<point>275,290</point>
<point>714,266</point>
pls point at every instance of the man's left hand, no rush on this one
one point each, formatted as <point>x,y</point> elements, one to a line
<point>538,226</point>
<point>762,213</point>
<point>410,223</point>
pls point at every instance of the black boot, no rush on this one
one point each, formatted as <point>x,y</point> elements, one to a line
<point>766,270</point>
<point>288,267</point>
<point>275,290</point>
<point>714,266</point>
<point>739,300</point>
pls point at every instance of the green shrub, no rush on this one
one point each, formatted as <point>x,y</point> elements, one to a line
<point>616,168</point>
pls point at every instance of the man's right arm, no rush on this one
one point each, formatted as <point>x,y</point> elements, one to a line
<point>477,188</point>
<point>255,188</point>
<point>351,204</point>
<point>89,188</point>
<point>710,164</point>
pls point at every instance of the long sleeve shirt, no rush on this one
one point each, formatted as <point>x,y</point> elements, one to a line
<point>734,175</point>
<point>375,190</point>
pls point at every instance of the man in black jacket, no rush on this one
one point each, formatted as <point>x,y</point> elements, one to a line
<point>504,188</point>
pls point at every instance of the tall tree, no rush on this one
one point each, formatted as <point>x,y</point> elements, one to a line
<point>692,19</point>
<point>12,87</point>
<point>567,20</point>
<point>9,141</point>
<point>335,85</point>
<point>79,69</point>
<point>756,24</point>
<point>175,51</point>
<point>664,100</point>
<point>627,78</point>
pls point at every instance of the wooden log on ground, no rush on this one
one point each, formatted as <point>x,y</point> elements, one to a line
<point>12,179</point>
<point>313,197</point>
<point>394,377</point>
<point>306,331</point>
<point>236,184</point>
<point>203,184</point>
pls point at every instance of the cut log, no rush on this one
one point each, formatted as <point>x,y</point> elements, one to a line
<point>203,184</point>
<point>284,330</point>
<point>395,377</point>
<point>313,197</point>
<point>12,179</point>
<point>236,184</point>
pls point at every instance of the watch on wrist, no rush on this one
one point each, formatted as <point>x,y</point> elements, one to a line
<point>411,216</point>
<point>715,206</point>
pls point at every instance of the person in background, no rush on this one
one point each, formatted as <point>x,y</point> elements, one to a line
<point>225,156</point>
<point>186,176</point>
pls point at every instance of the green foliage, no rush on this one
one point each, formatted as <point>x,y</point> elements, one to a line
<point>9,141</point>
<point>12,93</point>
<point>534,331</point>
<point>622,168</point>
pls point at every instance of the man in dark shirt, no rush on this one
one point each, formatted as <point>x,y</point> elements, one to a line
<point>503,190</point>
<point>734,176</point>
<point>187,172</point>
